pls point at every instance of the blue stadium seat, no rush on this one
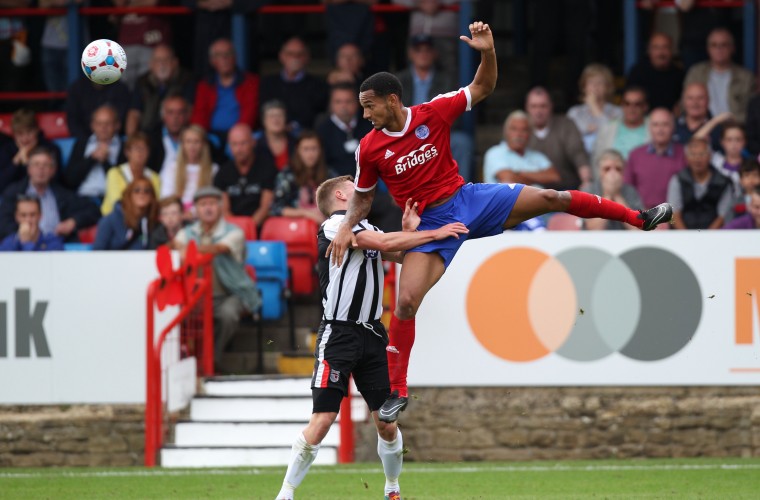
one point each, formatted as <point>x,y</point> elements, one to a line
<point>77,247</point>
<point>66,145</point>
<point>270,260</point>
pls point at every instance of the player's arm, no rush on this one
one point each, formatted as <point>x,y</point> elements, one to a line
<point>404,240</point>
<point>358,209</point>
<point>484,81</point>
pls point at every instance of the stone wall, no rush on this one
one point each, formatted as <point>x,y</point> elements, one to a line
<point>468,424</point>
<point>71,435</point>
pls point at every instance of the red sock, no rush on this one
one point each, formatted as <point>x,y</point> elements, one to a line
<point>402,338</point>
<point>590,206</point>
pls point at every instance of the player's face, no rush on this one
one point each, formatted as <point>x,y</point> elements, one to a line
<point>376,109</point>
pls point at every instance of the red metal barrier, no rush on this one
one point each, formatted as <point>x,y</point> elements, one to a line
<point>197,291</point>
<point>346,446</point>
<point>701,3</point>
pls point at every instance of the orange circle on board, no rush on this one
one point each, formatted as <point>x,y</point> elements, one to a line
<point>498,304</point>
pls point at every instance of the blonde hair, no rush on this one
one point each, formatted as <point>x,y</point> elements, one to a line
<point>325,192</point>
<point>593,70</point>
<point>207,169</point>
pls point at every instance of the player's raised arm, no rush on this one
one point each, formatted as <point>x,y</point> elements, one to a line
<point>358,209</point>
<point>485,77</point>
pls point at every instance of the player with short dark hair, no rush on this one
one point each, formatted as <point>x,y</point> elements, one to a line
<point>409,150</point>
<point>351,338</point>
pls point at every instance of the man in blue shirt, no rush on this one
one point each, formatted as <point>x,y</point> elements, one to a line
<point>29,237</point>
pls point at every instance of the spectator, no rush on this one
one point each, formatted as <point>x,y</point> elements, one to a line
<point>63,212</point>
<point>15,54</point>
<point>164,78</point>
<point>139,34</point>
<point>304,95</point>
<point>350,59</point>
<point>234,292</point>
<point>730,86</point>
<point>130,224</point>
<point>750,220</point>
<point>512,161</point>
<point>610,184</point>
<point>430,18</point>
<point>658,74</point>
<point>14,155</point>
<point>349,21</point>
<point>275,143</point>
<point>29,237</point>
<point>696,117</point>
<point>117,178</point>
<point>596,86</point>
<point>558,138</point>
<point>164,140</point>
<point>650,167</point>
<point>700,195</point>
<point>92,156</point>
<point>170,221</point>
<point>628,132</point>
<point>85,97</point>
<point>54,48</point>
<point>296,186</point>
<point>247,180</point>
<point>194,168</point>
<point>342,130</point>
<point>749,181</point>
<point>421,82</point>
<point>696,23</point>
<point>228,96</point>
<point>338,76</point>
<point>752,126</point>
<point>729,162</point>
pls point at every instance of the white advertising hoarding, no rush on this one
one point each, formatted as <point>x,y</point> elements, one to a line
<point>594,308</point>
<point>72,326</point>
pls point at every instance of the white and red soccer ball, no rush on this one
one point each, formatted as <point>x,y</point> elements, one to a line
<point>104,61</point>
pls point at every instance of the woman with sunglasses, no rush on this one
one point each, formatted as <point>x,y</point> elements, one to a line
<point>129,226</point>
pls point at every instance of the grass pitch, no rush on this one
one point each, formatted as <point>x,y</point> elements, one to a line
<point>609,479</point>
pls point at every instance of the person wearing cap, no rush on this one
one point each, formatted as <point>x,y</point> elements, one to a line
<point>234,291</point>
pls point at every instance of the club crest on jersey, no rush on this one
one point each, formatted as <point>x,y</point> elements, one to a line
<point>416,158</point>
<point>370,254</point>
<point>422,132</point>
<point>334,375</point>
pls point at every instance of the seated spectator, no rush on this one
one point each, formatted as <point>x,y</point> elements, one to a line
<point>658,74</point>
<point>63,212</point>
<point>512,161</point>
<point>650,167</point>
<point>296,186</point>
<point>749,180</point>
<point>234,292</point>
<point>696,118</point>
<point>164,140</point>
<point>304,95</point>
<point>85,97</point>
<point>430,18</point>
<point>628,132</point>
<point>275,142</point>
<point>93,156</point>
<point>700,195</point>
<point>728,163</point>
<point>730,86</point>
<point>14,154</point>
<point>247,180</point>
<point>170,221</point>
<point>29,237</point>
<point>164,78</point>
<point>350,59</point>
<point>117,178</point>
<point>130,224</point>
<point>610,184</point>
<point>342,130</point>
<point>751,219</point>
<point>752,126</point>
<point>558,138</point>
<point>194,168</point>
<point>338,76</point>
<point>596,87</point>
<point>228,96</point>
<point>349,21</point>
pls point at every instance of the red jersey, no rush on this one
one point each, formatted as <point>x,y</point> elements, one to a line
<point>415,162</point>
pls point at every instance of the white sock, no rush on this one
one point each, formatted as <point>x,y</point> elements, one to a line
<point>392,455</point>
<point>302,455</point>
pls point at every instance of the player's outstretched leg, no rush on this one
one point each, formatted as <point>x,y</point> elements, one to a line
<point>302,453</point>
<point>390,448</point>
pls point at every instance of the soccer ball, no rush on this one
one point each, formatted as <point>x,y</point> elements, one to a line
<point>103,61</point>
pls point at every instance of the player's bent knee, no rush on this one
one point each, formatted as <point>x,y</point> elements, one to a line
<point>556,200</point>
<point>407,306</point>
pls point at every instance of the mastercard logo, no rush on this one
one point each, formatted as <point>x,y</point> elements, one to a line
<point>584,304</point>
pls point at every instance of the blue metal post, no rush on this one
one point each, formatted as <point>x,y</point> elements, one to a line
<point>466,59</point>
<point>75,42</point>
<point>240,39</point>
<point>631,34</point>
<point>750,35</point>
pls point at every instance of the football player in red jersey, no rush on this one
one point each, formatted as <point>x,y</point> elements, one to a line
<point>409,150</point>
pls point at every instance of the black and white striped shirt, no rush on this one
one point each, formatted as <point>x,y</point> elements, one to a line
<point>354,291</point>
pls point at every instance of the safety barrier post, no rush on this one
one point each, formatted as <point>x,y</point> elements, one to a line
<point>346,446</point>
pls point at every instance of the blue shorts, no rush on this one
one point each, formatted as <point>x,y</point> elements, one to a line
<point>483,208</point>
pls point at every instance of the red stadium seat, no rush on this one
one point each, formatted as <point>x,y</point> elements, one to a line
<point>53,124</point>
<point>5,123</point>
<point>245,223</point>
<point>300,237</point>
<point>564,222</point>
<point>87,234</point>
